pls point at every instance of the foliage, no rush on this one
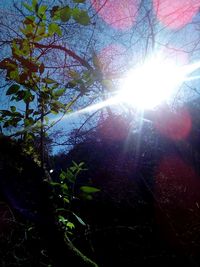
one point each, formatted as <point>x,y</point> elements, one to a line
<point>27,197</point>
<point>33,92</point>
<point>65,191</point>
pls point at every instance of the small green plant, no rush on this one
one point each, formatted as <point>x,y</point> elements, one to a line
<point>65,191</point>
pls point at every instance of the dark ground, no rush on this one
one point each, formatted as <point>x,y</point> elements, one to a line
<point>146,214</point>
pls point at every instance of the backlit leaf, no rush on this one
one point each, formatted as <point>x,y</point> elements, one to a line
<point>70,225</point>
<point>81,16</point>
<point>59,92</point>
<point>79,219</point>
<point>42,10</point>
<point>29,8</point>
<point>48,80</point>
<point>65,14</point>
<point>34,3</point>
<point>13,89</point>
<point>54,28</point>
<point>89,189</point>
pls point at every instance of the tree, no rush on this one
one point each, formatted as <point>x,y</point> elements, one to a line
<point>34,95</point>
<point>129,40</point>
<point>34,91</point>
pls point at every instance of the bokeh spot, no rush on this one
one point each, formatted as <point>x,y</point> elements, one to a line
<point>175,13</point>
<point>175,125</point>
<point>117,13</point>
<point>112,60</point>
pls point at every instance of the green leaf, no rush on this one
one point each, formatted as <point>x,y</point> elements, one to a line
<point>54,112</point>
<point>65,189</point>
<point>79,219</point>
<point>81,164</point>
<point>71,84</point>
<point>32,18</point>
<point>65,14</point>
<point>60,209</point>
<point>89,189</point>
<point>28,7</point>
<point>70,225</point>
<point>14,75</point>
<point>59,92</point>
<point>34,3</point>
<point>39,37</point>
<point>81,16</point>
<point>73,74</point>
<point>46,119</point>
<point>41,30</point>
<point>28,122</point>
<point>63,175</point>
<point>56,105</point>
<point>36,7</point>
<point>13,108</point>
<point>107,83</point>
<point>55,184</point>
<point>54,28</point>
<point>96,61</point>
<point>62,219</point>
<point>75,164</point>
<point>42,9</point>
<point>87,196</point>
<point>70,176</point>
<point>13,89</point>
<point>48,80</point>
<point>66,200</point>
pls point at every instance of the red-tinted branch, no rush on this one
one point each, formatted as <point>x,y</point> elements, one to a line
<point>82,61</point>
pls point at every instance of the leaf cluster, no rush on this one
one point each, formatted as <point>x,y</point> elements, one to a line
<point>26,69</point>
<point>65,191</point>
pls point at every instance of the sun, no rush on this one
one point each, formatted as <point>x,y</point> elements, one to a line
<point>153,82</point>
<point>147,86</point>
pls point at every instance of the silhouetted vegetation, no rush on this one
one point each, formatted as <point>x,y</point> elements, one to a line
<point>147,210</point>
<point>126,190</point>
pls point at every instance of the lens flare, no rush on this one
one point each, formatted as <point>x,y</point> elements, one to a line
<point>175,125</point>
<point>147,86</point>
<point>112,60</point>
<point>150,84</point>
<point>154,82</point>
<point>118,14</point>
<point>176,14</point>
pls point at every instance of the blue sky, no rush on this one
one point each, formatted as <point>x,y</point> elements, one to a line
<point>137,42</point>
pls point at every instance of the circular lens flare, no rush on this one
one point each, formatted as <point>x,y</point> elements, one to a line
<point>151,83</point>
<point>176,14</point>
<point>119,14</point>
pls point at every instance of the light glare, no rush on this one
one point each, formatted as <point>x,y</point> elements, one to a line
<point>152,83</point>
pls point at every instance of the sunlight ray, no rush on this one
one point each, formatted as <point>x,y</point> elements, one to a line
<point>148,80</point>
<point>154,82</point>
